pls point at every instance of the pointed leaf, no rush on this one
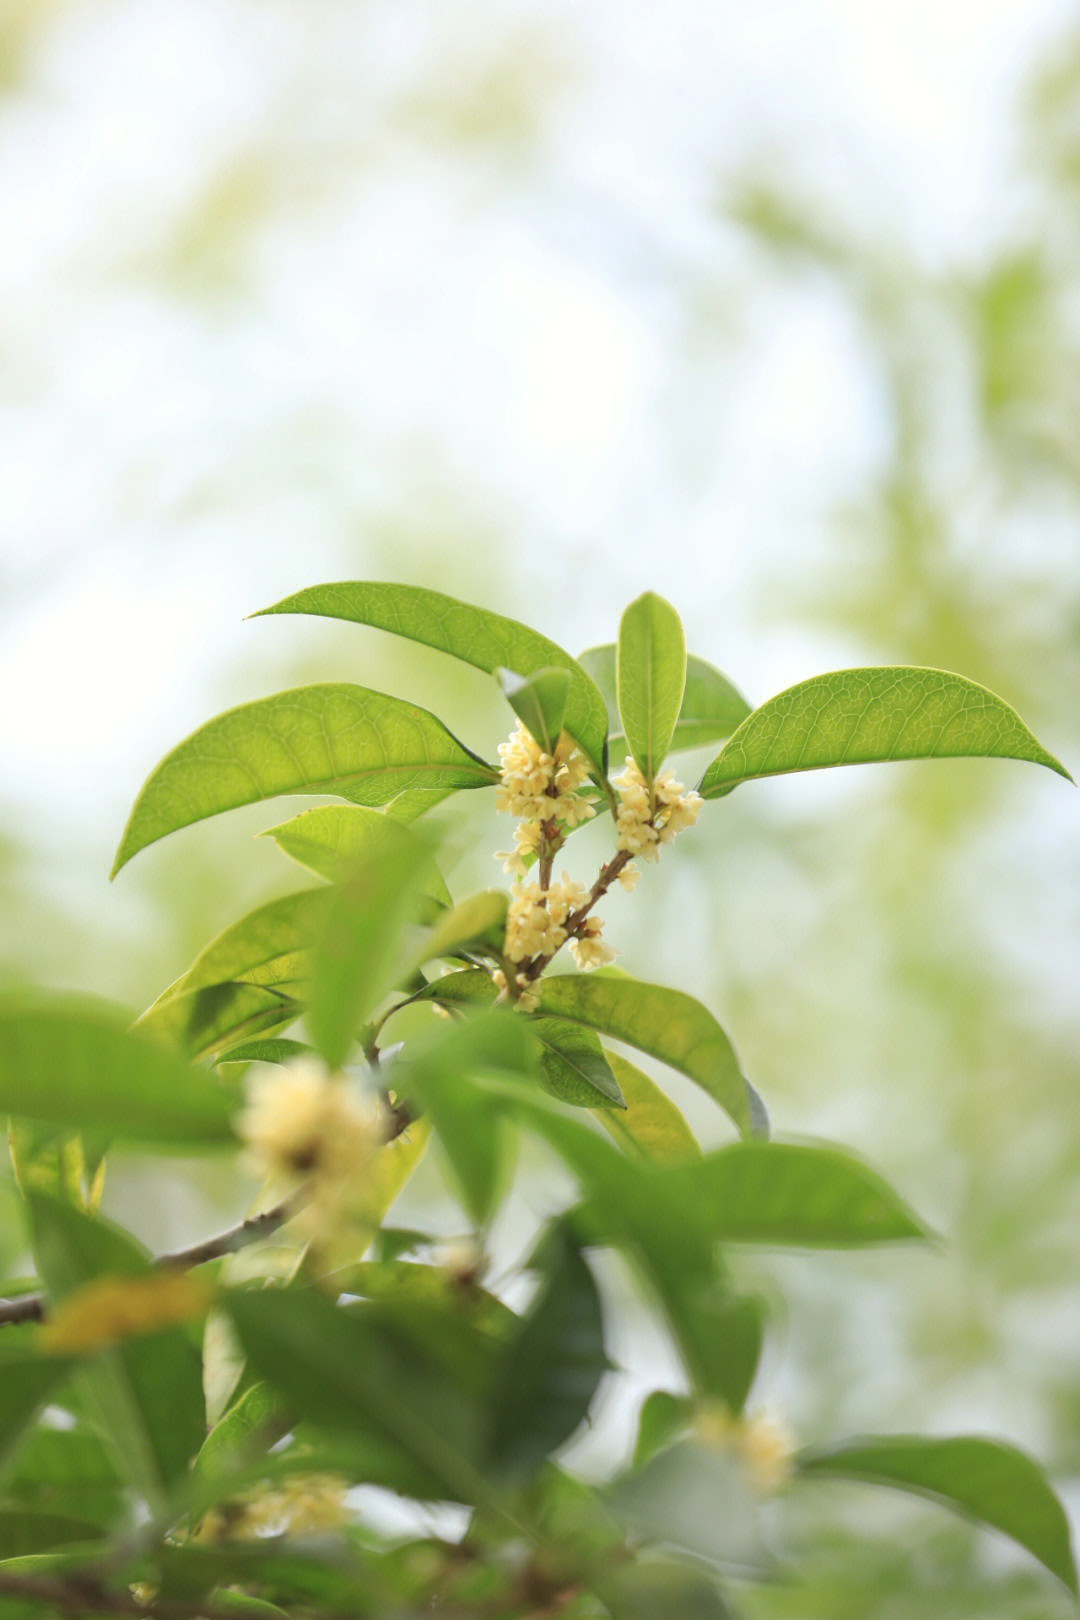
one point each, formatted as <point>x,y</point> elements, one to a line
<point>200,1023</point>
<point>76,1063</point>
<point>266,947</point>
<point>651,1122</point>
<point>342,740</point>
<point>859,716</point>
<point>574,1066</point>
<point>663,1417</point>
<point>665,1023</point>
<point>277,1049</point>
<point>983,1479</point>
<point>485,640</point>
<point>147,1392</point>
<point>650,676</point>
<point>550,1366</point>
<point>785,1192</point>
<point>539,701</point>
<point>333,839</point>
<point>361,951</point>
<point>711,707</point>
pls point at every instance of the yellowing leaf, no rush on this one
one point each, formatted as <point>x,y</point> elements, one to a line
<point>109,1310</point>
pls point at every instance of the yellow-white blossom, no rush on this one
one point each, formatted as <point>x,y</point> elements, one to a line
<point>528,777</point>
<point>763,1443</point>
<point>530,928</point>
<point>588,949</point>
<point>642,825</point>
<point>527,998</point>
<point>298,1506</point>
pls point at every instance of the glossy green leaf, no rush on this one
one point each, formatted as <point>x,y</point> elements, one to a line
<point>476,923</point>
<point>486,640</point>
<point>277,1049</point>
<point>783,1192</point>
<point>650,1123</point>
<point>711,707</point>
<point>983,1479</point>
<point>361,951</point>
<point>76,1063</point>
<point>665,1023</point>
<point>549,1368</point>
<point>539,701</point>
<point>385,1374</point>
<point>574,1066</point>
<point>148,1391</point>
<point>343,740</point>
<point>333,839</point>
<point>650,676</point>
<point>861,716</point>
<point>267,947</point>
<point>202,1023</point>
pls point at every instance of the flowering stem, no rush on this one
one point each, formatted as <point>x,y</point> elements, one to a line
<point>604,879</point>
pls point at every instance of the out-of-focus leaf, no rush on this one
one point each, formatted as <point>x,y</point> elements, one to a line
<point>24,1531</point>
<point>267,947</point>
<point>549,1368</point>
<point>860,716</point>
<point>650,676</point>
<point>696,1498</point>
<point>539,701</point>
<point>477,922</point>
<point>147,1392</point>
<point>361,951</point>
<point>333,839</point>
<point>983,1479</point>
<point>650,1587</point>
<point>109,1310</point>
<point>27,1378</point>
<point>574,1066</point>
<point>74,1062</point>
<point>650,1122</point>
<point>344,740</point>
<point>711,707</point>
<point>667,1024</point>
<point>663,1416</point>
<point>66,1471</point>
<point>277,1049</point>
<point>486,640</point>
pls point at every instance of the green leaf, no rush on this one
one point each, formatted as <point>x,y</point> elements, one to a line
<point>67,1471</point>
<point>74,1062</point>
<point>651,1123</point>
<point>267,947</point>
<point>438,1069</point>
<point>649,1587</point>
<point>860,716</point>
<point>650,676</point>
<point>361,951</point>
<point>275,1050</point>
<point>333,839</point>
<point>24,1531</point>
<point>27,1379</point>
<point>711,707</point>
<point>392,1376</point>
<point>662,1419</point>
<point>983,1479</point>
<point>476,923</point>
<point>147,1391</point>
<point>549,1368</point>
<point>343,740</point>
<point>200,1023</point>
<point>783,1192</point>
<point>539,701</point>
<point>574,1066</point>
<point>665,1023</point>
<point>485,640</point>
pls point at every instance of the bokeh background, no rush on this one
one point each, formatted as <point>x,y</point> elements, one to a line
<point>775,310</point>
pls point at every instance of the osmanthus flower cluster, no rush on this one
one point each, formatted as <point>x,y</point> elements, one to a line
<point>373,1359</point>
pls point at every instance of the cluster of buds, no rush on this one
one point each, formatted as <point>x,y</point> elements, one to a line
<point>763,1443</point>
<point>644,823</point>
<point>304,1121</point>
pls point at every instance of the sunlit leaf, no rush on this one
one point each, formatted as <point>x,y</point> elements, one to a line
<point>343,740</point>
<point>277,1049</point>
<point>203,1022</point>
<point>667,1024</point>
<point>983,1479</point>
<point>475,923</point>
<point>332,840</point>
<point>650,675</point>
<point>147,1392</point>
<point>574,1066</point>
<point>711,707</point>
<point>651,1123</point>
<point>486,640</point>
<point>108,1310</point>
<point>539,701</point>
<point>859,716</point>
<point>76,1063</point>
<point>267,947</point>
<point>549,1368</point>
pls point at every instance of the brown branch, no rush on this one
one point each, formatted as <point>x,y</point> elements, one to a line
<point>606,876</point>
